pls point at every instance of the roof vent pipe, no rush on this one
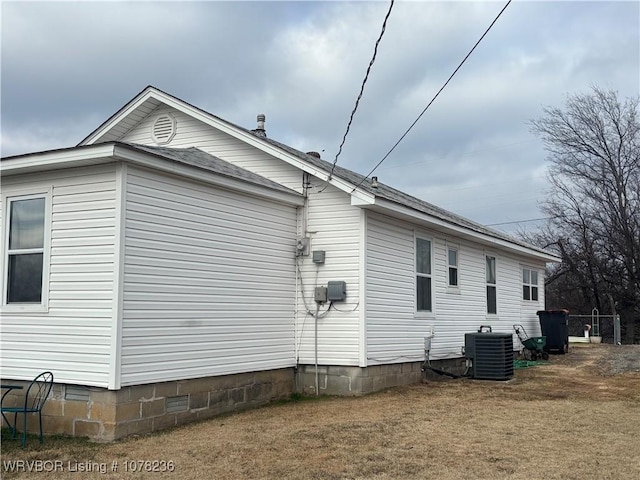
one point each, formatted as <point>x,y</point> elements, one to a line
<point>374,182</point>
<point>260,131</point>
<point>313,154</point>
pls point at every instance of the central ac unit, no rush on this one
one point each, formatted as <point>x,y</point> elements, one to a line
<point>490,354</point>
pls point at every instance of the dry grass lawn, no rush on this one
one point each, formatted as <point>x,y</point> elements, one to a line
<point>569,419</point>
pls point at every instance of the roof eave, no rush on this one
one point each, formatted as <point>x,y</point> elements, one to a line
<point>114,119</point>
<point>461,231</point>
<point>55,159</point>
<point>113,151</point>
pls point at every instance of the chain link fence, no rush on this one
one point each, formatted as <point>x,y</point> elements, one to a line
<point>606,328</point>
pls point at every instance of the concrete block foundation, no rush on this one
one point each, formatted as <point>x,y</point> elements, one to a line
<point>340,380</point>
<point>106,415</point>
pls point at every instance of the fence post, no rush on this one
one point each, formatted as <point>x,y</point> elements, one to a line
<point>595,322</point>
<point>617,338</point>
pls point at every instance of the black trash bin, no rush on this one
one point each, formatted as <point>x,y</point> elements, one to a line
<point>555,326</point>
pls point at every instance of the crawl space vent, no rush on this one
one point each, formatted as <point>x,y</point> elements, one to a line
<point>177,404</point>
<point>164,128</point>
<point>77,393</point>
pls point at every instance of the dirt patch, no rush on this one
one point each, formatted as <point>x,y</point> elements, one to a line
<point>573,418</point>
<point>621,358</point>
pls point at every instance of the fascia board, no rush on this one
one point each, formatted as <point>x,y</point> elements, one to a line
<point>118,116</point>
<point>464,232</point>
<point>56,159</point>
<point>362,199</point>
<point>144,159</point>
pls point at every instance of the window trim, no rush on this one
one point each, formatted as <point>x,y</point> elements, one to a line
<point>8,197</point>
<point>487,284</point>
<point>453,288</point>
<point>530,285</point>
<point>416,274</point>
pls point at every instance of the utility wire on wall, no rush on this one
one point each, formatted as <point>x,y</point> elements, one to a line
<point>433,99</point>
<point>366,76</point>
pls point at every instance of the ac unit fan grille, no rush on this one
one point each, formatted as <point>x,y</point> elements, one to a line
<point>492,355</point>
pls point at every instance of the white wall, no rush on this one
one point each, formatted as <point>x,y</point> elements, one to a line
<point>392,330</point>
<point>395,331</point>
<point>209,281</point>
<point>334,227</point>
<point>72,338</point>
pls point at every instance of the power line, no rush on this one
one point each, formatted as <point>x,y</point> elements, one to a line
<point>366,76</point>
<point>450,157</point>
<point>434,98</point>
<point>518,221</point>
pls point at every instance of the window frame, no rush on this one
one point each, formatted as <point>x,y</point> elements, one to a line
<point>529,285</point>
<point>417,274</point>
<point>488,284</point>
<point>8,197</point>
<point>456,267</point>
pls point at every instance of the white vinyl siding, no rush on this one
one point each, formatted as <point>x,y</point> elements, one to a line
<point>209,281</point>
<point>72,337</point>
<point>395,333</point>
<point>458,310</point>
<point>335,227</point>
<point>191,132</point>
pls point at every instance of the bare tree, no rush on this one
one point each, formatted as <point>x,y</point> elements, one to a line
<point>594,200</point>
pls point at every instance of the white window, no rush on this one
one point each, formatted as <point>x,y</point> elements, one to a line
<point>529,284</point>
<point>492,302</point>
<point>423,275</point>
<point>24,255</point>
<point>452,256</point>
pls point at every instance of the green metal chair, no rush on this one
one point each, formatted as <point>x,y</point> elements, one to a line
<point>35,397</point>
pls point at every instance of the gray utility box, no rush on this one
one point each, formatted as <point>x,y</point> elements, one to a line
<point>337,291</point>
<point>491,355</point>
<point>320,295</point>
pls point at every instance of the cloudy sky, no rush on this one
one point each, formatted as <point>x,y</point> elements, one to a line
<point>67,66</point>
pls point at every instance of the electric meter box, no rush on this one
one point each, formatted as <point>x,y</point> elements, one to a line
<point>336,291</point>
<point>318,256</point>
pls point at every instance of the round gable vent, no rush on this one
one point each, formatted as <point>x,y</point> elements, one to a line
<point>164,128</point>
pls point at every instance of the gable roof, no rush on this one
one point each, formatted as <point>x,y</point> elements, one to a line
<point>383,198</point>
<point>150,98</point>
